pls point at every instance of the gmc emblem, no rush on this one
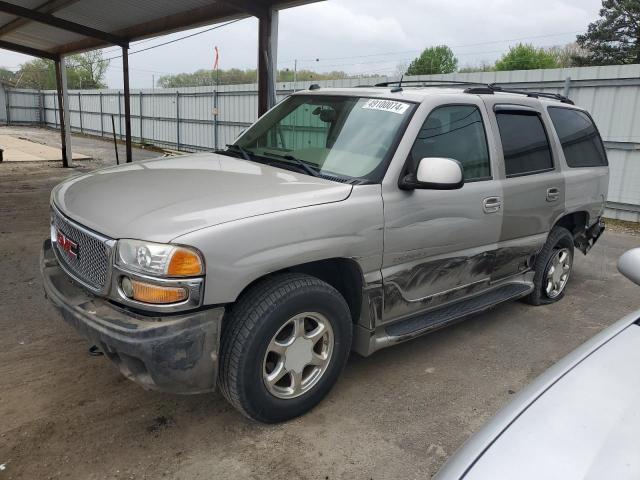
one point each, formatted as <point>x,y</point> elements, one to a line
<point>67,245</point>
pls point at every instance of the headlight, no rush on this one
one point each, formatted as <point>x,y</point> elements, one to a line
<point>158,259</point>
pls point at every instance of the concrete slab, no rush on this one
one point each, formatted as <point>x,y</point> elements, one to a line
<point>20,149</point>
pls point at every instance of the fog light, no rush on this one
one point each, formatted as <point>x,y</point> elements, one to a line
<point>150,293</point>
<point>127,288</point>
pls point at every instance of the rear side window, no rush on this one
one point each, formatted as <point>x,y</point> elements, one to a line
<point>581,143</point>
<point>455,131</point>
<point>524,143</point>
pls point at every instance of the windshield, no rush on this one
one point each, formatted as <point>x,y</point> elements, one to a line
<point>339,137</point>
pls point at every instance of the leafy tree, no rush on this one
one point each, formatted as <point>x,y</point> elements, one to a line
<point>84,71</point>
<point>569,55</point>
<point>38,74</point>
<point>482,67</point>
<point>613,39</point>
<point>7,75</point>
<point>235,76</point>
<point>526,57</point>
<point>87,70</point>
<point>434,60</point>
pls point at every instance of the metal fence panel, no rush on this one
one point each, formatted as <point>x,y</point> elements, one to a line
<point>205,118</point>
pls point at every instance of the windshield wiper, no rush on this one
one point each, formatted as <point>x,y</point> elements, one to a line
<point>301,163</point>
<point>242,150</point>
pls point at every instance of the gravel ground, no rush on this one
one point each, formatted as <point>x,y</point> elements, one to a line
<point>397,414</point>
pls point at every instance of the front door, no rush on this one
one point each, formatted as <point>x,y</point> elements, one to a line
<point>439,245</point>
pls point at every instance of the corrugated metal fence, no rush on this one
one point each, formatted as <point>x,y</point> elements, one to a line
<point>205,118</point>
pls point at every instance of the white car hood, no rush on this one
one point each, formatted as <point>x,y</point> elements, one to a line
<point>578,420</point>
<point>161,199</point>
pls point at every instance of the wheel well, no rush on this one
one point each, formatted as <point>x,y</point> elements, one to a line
<point>342,274</point>
<point>575,222</point>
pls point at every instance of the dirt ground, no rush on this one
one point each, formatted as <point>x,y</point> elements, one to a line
<point>398,414</point>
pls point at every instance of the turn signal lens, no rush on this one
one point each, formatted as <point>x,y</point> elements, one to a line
<point>149,293</point>
<point>184,263</point>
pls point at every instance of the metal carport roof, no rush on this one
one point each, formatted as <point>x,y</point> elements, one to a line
<point>54,28</point>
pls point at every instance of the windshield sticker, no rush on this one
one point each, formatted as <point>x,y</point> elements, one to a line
<point>386,106</point>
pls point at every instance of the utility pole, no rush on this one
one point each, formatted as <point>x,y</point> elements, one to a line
<point>295,74</point>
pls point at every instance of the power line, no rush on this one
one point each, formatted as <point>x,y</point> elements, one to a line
<point>452,46</point>
<point>171,41</point>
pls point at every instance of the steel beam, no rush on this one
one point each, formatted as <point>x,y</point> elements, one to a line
<point>63,107</point>
<point>34,52</point>
<point>267,47</point>
<point>127,102</point>
<point>60,23</point>
<point>50,6</point>
<point>255,7</point>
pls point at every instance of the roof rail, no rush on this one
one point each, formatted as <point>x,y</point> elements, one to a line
<point>480,88</point>
<point>532,94</point>
<point>446,82</point>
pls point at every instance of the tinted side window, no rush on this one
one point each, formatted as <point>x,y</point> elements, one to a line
<point>581,143</point>
<point>455,131</point>
<point>524,143</point>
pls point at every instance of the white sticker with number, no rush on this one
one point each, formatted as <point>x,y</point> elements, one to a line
<point>386,106</point>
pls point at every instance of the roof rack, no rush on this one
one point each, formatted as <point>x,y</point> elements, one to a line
<point>479,88</point>
<point>554,96</point>
<point>445,82</point>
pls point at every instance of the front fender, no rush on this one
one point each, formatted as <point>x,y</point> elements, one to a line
<point>239,252</point>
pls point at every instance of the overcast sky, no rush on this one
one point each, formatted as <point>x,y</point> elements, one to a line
<point>364,36</point>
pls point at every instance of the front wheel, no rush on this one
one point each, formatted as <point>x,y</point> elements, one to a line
<point>284,345</point>
<point>552,268</point>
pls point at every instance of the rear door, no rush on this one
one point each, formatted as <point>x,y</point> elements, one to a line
<point>533,185</point>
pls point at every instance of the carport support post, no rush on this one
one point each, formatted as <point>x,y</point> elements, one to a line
<point>63,108</point>
<point>267,63</point>
<point>127,101</point>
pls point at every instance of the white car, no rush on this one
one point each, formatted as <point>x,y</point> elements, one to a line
<point>579,420</point>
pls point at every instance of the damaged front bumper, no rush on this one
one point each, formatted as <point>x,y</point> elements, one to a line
<point>172,353</point>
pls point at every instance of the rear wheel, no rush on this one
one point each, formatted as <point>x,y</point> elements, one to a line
<point>284,345</point>
<point>552,268</point>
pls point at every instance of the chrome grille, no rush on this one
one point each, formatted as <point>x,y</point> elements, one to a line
<point>91,266</point>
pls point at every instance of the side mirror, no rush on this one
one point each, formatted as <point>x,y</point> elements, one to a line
<point>435,173</point>
<point>629,265</point>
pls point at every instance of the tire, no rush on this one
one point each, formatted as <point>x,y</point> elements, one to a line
<point>263,315</point>
<point>559,240</point>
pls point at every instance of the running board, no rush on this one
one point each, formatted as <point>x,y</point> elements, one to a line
<point>423,323</point>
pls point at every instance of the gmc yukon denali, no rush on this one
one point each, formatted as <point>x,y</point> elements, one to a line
<point>342,220</point>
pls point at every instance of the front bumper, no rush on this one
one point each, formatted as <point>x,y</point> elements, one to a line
<point>174,353</point>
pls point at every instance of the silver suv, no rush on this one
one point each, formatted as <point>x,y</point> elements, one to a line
<point>343,219</point>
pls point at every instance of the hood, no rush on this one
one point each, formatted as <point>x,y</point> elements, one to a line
<point>583,426</point>
<point>160,199</point>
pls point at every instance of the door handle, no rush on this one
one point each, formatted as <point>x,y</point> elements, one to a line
<point>492,204</point>
<point>553,194</point>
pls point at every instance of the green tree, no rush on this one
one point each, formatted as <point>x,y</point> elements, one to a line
<point>235,76</point>
<point>569,55</point>
<point>613,39</point>
<point>7,75</point>
<point>526,57</point>
<point>84,71</point>
<point>482,67</point>
<point>87,70</point>
<point>38,74</point>
<point>434,60</point>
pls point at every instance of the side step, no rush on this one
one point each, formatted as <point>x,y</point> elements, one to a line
<point>439,317</point>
